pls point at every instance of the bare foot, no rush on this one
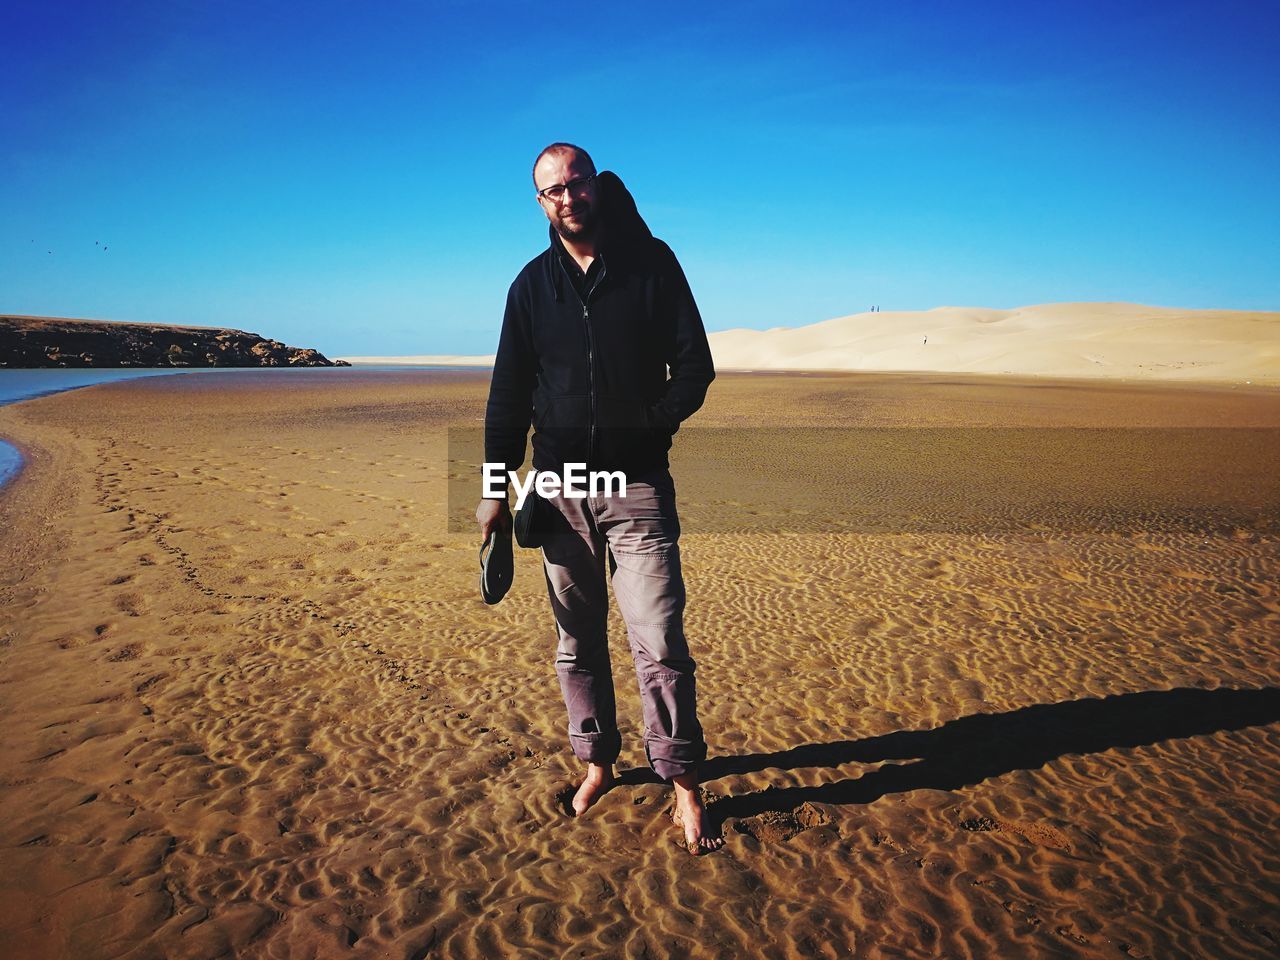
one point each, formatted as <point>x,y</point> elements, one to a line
<point>700,834</point>
<point>596,784</point>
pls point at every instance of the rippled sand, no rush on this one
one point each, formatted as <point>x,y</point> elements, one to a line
<point>252,705</point>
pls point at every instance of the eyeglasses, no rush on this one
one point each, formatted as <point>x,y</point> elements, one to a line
<point>576,186</point>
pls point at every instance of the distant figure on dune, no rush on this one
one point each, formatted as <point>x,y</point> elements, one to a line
<point>591,326</point>
<point>926,340</point>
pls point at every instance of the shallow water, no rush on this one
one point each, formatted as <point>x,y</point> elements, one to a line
<point>16,385</point>
<point>10,462</point>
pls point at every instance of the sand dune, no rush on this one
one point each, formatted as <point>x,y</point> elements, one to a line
<point>1110,340</point>
<point>1122,341</point>
<point>252,705</point>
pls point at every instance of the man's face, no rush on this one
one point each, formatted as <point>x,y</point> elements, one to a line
<point>574,214</point>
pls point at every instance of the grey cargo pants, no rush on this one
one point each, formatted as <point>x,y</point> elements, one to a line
<point>639,534</point>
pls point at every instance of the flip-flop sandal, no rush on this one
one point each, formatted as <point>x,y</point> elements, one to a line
<point>497,566</point>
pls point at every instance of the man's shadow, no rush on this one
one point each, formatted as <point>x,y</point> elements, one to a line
<point>975,748</point>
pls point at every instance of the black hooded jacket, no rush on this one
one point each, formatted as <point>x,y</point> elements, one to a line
<point>592,377</point>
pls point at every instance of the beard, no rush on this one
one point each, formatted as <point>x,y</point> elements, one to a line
<point>582,228</point>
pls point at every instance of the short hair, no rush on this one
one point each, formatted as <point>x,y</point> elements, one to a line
<point>560,147</point>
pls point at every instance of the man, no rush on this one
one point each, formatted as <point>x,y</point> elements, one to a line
<point>591,327</point>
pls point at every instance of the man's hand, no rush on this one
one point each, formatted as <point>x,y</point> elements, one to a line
<point>492,514</point>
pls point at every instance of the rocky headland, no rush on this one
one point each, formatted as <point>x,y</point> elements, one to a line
<point>56,342</point>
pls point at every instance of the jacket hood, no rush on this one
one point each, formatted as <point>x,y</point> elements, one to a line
<point>621,223</point>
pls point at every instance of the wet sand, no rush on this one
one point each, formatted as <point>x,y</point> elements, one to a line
<point>251,703</point>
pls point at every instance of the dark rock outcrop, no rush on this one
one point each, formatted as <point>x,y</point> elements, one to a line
<point>53,342</point>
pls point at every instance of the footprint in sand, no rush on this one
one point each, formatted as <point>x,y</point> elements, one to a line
<point>1037,834</point>
<point>776,826</point>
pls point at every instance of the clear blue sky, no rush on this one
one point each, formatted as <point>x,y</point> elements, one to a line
<point>355,176</point>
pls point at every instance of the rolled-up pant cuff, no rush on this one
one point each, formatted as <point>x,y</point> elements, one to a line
<point>670,769</point>
<point>602,748</point>
<point>674,758</point>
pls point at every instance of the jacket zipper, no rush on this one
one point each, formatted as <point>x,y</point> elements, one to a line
<point>591,365</point>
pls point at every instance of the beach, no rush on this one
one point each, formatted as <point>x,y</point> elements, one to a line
<point>987,667</point>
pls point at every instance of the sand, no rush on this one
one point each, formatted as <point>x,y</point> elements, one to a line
<point>251,703</point>
<point>1103,340</point>
<point>1111,341</point>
